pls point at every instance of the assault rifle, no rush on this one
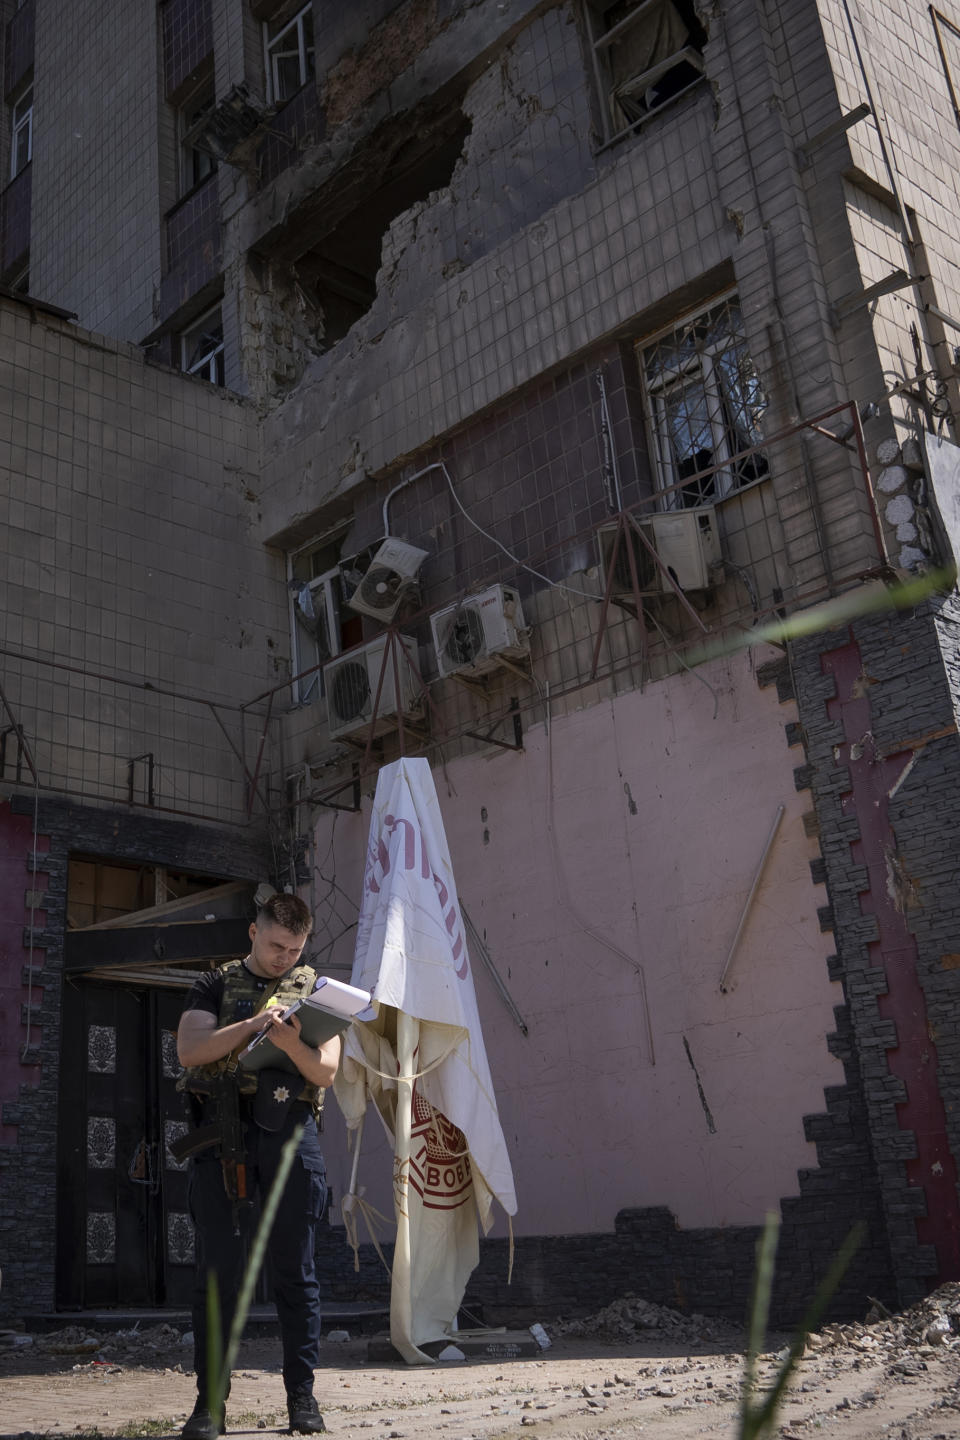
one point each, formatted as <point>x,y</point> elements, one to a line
<point>226,1132</point>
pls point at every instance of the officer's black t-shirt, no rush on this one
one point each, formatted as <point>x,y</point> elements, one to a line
<point>207,992</point>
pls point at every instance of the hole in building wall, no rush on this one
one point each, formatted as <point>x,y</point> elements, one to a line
<point>339,273</point>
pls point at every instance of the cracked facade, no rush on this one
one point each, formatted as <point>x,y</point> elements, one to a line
<point>282,280</point>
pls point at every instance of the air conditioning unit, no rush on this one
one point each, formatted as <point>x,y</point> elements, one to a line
<point>476,634</point>
<point>350,684</point>
<point>392,572</point>
<point>686,541</point>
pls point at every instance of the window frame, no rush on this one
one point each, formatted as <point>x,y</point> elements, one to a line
<point>941,23</point>
<point>322,587</point>
<point>600,40</point>
<point>18,126</point>
<point>191,117</point>
<point>213,359</point>
<point>703,370</point>
<point>306,54</point>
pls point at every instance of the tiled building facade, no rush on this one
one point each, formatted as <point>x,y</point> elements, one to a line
<point>489,279</point>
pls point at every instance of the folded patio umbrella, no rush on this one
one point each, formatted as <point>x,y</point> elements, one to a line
<point>422,1062</point>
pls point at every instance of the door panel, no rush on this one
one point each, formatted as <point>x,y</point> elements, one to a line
<point>123,1235</point>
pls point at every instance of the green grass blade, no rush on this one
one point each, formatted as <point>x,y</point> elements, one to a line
<point>220,1376</point>
<point>214,1345</point>
<point>865,600</point>
<point>766,1412</point>
<point>759,1312</point>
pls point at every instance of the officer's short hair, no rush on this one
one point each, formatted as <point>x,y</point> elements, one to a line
<point>289,911</point>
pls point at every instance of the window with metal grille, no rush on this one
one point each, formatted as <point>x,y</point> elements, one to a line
<point>645,54</point>
<point>705,404</point>
<point>289,55</point>
<point>201,347</point>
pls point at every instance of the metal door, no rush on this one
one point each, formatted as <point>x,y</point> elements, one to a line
<point>124,1237</point>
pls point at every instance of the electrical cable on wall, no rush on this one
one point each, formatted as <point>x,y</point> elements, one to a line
<point>442,466</point>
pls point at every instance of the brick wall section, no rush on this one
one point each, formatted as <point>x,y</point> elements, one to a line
<point>28,1167</point>
<point>19,897</point>
<point>187,30</point>
<point>18,46</point>
<point>905,684</point>
<point>707,1272</point>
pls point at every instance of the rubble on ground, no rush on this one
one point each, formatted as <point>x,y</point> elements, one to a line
<point>632,1318</point>
<point>933,1321</point>
<point>131,1345</point>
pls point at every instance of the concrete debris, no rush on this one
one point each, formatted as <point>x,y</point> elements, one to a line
<point>631,1318</point>
<point>933,1321</point>
<point>124,1345</point>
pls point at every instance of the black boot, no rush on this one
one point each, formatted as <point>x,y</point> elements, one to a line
<point>202,1426</point>
<point>304,1412</point>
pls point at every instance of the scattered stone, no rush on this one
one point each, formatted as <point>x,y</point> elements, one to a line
<point>632,1318</point>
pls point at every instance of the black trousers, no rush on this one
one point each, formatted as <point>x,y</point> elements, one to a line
<point>291,1246</point>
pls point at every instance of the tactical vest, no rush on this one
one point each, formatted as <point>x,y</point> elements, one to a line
<point>243,997</point>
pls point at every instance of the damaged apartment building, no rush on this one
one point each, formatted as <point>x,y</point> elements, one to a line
<point>472,380</point>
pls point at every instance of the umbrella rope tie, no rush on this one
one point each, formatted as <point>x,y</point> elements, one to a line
<point>350,1205</point>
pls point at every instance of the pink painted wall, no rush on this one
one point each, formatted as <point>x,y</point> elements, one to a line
<point>16,844</point>
<point>615,858</point>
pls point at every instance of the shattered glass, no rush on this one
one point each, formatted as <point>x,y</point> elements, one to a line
<point>706,406</point>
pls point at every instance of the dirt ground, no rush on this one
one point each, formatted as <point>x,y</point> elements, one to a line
<point>896,1379</point>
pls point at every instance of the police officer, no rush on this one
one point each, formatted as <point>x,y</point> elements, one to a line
<point>224,1010</point>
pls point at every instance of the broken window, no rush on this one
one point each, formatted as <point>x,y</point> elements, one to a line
<point>289,55</point>
<point>645,54</point>
<point>705,405</point>
<point>21,124</point>
<point>321,626</point>
<point>100,890</point>
<point>201,348</point>
<point>192,119</point>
